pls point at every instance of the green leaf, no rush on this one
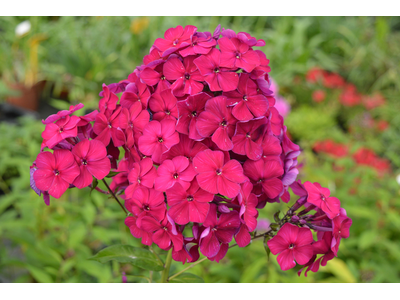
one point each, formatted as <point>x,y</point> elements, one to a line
<point>187,278</point>
<point>135,278</point>
<point>267,238</point>
<point>340,270</point>
<point>112,174</point>
<point>138,257</point>
<point>94,184</point>
<point>39,275</point>
<point>276,216</point>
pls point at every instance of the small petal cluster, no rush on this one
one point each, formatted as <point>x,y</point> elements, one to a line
<point>314,210</point>
<point>204,147</point>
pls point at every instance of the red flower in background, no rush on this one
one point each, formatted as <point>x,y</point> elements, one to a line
<point>371,102</point>
<point>318,96</point>
<point>350,96</point>
<point>329,146</point>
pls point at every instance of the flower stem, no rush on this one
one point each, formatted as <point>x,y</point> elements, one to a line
<point>191,266</point>
<point>114,196</point>
<point>203,259</point>
<point>165,273</point>
<point>155,253</point>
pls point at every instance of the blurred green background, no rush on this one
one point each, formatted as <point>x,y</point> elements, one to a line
<point>57,61</point>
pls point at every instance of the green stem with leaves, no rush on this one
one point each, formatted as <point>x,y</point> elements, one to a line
<point>165,273</point>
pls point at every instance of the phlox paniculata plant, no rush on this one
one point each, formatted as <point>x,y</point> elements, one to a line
<point>204,149</point>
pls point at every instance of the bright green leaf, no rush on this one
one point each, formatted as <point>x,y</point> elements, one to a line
<point>138,257</point>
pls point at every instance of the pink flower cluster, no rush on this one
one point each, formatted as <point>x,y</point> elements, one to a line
<point>294,241</point>
<point>203,145</point>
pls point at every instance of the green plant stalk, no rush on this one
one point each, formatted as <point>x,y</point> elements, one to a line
<point>114,196</point>
<point>155,253</point>
<point>165,273</point>
<point>203,259</point>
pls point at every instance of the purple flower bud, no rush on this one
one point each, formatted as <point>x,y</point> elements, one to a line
<point>295,219</point>
<point>223,209</point>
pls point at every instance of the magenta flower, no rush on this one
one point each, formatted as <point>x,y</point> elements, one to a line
<point>133,121</point>
<point>186,76</point>
<point>248,138</point>
<point>276,121</point>
<point>135,92</point>
<point>190,205</point>
<point>175,39</point>
<point>186,147</point>
<point>293,244</point>
<point>143,173</point>
<point>137,232</point>
<point>244,37</point>
<point>115,88</point>
<point>109,100</point>
<point>341,229</point>
<point>236,54</point>
<point>63,113</point>
<point>243,237</point>
<point>322,246</point>
<point>246,101</point>
<point>217,120</point>
<point>248,202</point>
<point>55,172</point>
<point>178,170</point>
<point>147,202</point>
<point>165,234</point>
<point>62,129</point>
<point>158,138</point>
<point>107,127</point>
<point>218,78</point>
<point>163,106</point>
<point>189,110</point>
<point>319,196</point>
<point>201,43</point>
<point>155,77</point>
<point>265,173</point>
<point>215,176</point>
<point>271,147</point>
<point>218,230</point>
<point>91,157</point>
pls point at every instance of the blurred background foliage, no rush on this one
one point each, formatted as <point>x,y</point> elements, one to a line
<point>59,61</point>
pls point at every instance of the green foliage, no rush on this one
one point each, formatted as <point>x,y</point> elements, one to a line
<point>138,257</point>
<point>187,278</point>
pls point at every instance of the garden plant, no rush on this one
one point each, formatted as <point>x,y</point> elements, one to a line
<point>192,146</point>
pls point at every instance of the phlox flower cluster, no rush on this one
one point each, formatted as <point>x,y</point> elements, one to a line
<point>203,149</point>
